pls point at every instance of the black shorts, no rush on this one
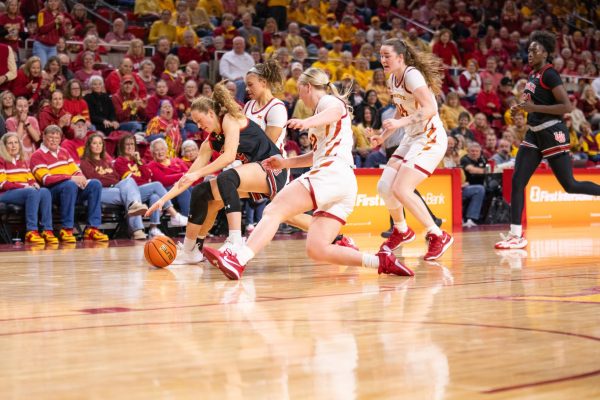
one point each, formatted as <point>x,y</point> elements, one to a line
<point>550,142</point>
<point>275,182</point>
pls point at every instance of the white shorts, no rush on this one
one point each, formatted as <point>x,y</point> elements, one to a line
<point>333,189</point>
<point>423,152</point>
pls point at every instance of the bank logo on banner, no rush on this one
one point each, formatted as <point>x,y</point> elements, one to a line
<point>538,195</point>
<point>376,201</point>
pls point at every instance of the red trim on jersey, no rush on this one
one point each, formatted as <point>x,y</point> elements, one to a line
<point>398,157</point>
<point>272,183</point>
<point>312,193</point>
<point>336,144</point>
<point>423,170</point>
<point>541,74</point>
<point>328,215</point>
<point>265,106</point>
<point>527,144</point>
<point>338,129</point>
<point>405,71</point>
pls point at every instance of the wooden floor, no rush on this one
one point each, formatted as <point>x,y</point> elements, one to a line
<point>99,323</point>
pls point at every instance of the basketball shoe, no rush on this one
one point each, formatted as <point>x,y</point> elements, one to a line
<point>397,238</point>
<point>226,261</point>
<point>438,244</point>
<point>345,241</point>
<point>187,257</point>
<point>511,241</point>
<point>389,264</point>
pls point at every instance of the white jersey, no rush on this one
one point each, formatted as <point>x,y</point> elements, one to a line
<point>332,142</point>
<point>402,90</point>
<point>273,113</point>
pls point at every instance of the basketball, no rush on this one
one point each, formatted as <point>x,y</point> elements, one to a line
<point>160,251</point>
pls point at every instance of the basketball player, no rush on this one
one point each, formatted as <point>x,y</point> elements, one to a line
<point>414,81</point>
<point>235,137</point>
<point>329,188</point>
<point>546,101</point>
<point>271,115</point>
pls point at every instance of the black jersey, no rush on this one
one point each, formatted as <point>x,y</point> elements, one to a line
<point>254,145</point>
<point>539,90</point>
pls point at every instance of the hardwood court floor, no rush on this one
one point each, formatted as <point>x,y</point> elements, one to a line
<point>99,323</point>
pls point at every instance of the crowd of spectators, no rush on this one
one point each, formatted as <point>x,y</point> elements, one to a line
<point>123,132</point>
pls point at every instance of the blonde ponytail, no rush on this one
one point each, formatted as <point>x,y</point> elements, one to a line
<point>319,80</point>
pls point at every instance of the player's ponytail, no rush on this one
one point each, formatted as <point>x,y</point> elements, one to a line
<point>271,72</point>
<point>222,102</point>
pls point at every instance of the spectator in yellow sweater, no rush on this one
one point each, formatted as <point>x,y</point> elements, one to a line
<point>345,66</point>
<point>314,15</point>
<point>335,54</point>
<point>146,8</point>
<point>293,38</point>
<point>347,30</point>
<point>323,62</point>
<point>362,74</point>
<point>213,8</point>
<point>329,31</point>
<point>163,28</point>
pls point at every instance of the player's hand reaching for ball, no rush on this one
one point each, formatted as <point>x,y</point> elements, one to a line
<point>155,207</point>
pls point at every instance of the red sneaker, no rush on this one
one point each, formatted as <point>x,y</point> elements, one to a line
<point>438,244</point>
<point>389,264</point>
<point>345,241</point>
<point>397,238</point>
<point>226,261</point>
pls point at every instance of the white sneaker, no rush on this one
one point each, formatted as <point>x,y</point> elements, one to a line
<point>511,241</point>
<point>187,257</point>
<point>179,220</point>
<point>154,232</point>
<point>469,223</point>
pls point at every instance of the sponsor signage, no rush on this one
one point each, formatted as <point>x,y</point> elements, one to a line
<point>371,216</point>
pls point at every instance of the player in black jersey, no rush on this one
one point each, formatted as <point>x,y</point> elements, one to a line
<point>235,138</point>
<point>546,101</point>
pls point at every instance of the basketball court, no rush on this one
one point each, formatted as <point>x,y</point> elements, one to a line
<point>98,322</point>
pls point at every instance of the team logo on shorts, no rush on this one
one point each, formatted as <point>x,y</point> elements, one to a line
<point>560,137</point>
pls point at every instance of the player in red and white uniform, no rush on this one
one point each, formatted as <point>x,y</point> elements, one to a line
<point>329,188</point>
<point>271,115</point>
<point>414,81</point>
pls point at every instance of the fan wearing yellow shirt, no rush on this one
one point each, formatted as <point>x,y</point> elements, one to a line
<point>293,38</point>
<point>323,62</point>
<point>347,30</point>
<point>314,15</point>
<point>167,5</point>
<point>276,44</point>
<point>335,54</point>
<point>290,88</point>
<point>299,13</point>
<point>146,8</point>
<point>379,84</point>
<point>163,27</point>
<point>345,67</point>
<point>328,32</point>
<point>213,8</point>
<point>362,74</point>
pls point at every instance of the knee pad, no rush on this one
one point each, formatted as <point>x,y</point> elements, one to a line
<point>384,188</point>
<point>201,195</point>
<point>228,183</point>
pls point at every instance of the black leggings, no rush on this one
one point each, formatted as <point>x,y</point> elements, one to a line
<point>526,163</point>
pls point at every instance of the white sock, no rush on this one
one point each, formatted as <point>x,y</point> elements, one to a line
<point>188,244</point>
<point>516,230</point>
<point>370,260</point>
<point>235,236</point>
<point>435,230</point>
<point>401,226</point>
<point>244,255</point>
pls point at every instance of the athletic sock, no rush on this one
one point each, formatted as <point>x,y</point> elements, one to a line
<point>188,244</point>
<point>435,230</point>
<point>244,254</point>
<point>370,260</point>
<point>401,226</point>
<point>516,230</point>
<point>235,236</point>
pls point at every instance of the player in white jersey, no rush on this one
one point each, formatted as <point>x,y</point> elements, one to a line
<point>414,81</point>
<point>329,188</point>
<point>271,115</point>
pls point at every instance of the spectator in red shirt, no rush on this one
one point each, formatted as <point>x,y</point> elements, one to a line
<point>168,171</point>
<point>490,72</point>
<point>227,30</point>
<point>183,105</point>
<point>480,128</point>
<point>113,80</point>
<point>173,76</point>
<point>28,80</point>
<point>55,114</point>
<point>502,56</point>
<point>510,16</point>
<point>190,51</point>
<point>488,101</point>
<point>50,21</point>
<point>129,106</point>
<point>470,81</point>
<point>14,23</point>
<point>158,96</point>
<point>446,49</point>
<point>163,47</point>
<point>74,103</point>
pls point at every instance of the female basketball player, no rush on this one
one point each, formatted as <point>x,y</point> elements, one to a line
<point>414,81</point>
<point>271,115</point>
<point>235,137</point>
<point>329,188</point>
<point>546,101</point>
